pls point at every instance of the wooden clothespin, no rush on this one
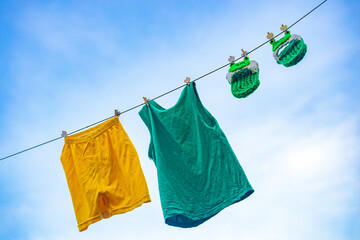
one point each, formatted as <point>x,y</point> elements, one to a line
<point>243,53</point>
<point>270,36</point>
<point>117,113</point>
<point>63,134</point>
<point>146,101</point>
<point>283,28</point>
<point>187,80</point>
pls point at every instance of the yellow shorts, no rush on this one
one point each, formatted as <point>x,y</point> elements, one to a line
<point>103,173</point>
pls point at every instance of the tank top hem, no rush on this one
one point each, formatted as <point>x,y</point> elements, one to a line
<point>197,218</point>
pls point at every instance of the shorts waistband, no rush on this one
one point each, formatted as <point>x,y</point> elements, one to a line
<point>92,132</point>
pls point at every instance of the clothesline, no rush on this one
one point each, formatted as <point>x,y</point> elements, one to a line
<point>139,105</point>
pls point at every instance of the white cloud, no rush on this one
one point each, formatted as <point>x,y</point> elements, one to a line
<point>295,136</point>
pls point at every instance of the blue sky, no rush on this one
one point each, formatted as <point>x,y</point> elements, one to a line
<point>68,64</point>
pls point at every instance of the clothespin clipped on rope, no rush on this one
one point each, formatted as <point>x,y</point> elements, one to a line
<point>63,134</point>
<point>117,113</point>
<point>270,36</point>
<point>244,54</point>
<point>283,28</point>
<point>146,101</point>
<point>231,59</point>
<point>187,80</point>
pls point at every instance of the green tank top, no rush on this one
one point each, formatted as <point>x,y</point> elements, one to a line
<point>198,172</point>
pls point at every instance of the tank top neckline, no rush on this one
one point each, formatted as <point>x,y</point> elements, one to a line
<point>158,107</point>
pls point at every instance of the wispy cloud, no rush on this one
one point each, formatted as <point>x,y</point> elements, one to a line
<point>296,136</point>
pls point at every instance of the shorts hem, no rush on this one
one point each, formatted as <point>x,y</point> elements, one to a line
<point>83,226</point>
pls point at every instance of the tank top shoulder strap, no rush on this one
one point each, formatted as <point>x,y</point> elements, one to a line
<point>199,107</point>
<point>144,113</point>
<point>145,116</point>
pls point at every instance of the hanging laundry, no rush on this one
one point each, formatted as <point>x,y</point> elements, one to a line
<point>289,50</point>
<point>243,77</point>
<point>198,172</point>
<point>103,173</point>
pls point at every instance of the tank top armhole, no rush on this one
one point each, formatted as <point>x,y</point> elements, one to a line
<point>151,151</point>
<point>200,108</point>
